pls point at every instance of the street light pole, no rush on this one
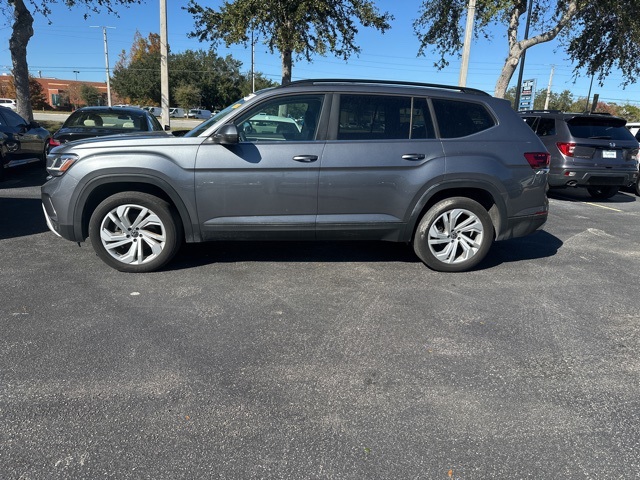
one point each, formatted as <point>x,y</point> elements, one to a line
<point>164,66</point>
<point>106,59</point>
<point>76,72</point>
<point>466,48</point>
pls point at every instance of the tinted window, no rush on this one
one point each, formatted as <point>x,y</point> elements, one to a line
<point>459,119</point>
<point>293,118</point>
<point>13,119</point>
<point>599,128</point>
<point>546,126</point>
<point>376,117</point>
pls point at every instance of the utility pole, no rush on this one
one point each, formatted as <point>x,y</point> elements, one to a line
<point>164,66</point>
<point>106,60</point>
<point>466,49</point>
<point>546,102</point>
<point>253,64</point>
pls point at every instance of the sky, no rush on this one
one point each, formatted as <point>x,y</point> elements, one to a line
<point>70,47</point>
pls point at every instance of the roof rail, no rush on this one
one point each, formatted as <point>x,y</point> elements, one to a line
<point>540,111</point>
<point>345,81</point>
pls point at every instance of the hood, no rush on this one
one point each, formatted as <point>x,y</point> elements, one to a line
<point>125,144</point>
<point>73,139</point>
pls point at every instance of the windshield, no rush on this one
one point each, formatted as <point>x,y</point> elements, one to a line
<point>222,113</point>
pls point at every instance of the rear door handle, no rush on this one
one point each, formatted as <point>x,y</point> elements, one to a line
<point>305,158</point>
<point>413,156</point>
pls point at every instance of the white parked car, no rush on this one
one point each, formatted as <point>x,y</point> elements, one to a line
<point>9,103</point>
<point>176,112</point>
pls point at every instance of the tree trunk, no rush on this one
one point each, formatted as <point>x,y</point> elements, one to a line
<point>508,69</point>
<point>517,48</point>
<point>286,66</point>
<point>21,33</point>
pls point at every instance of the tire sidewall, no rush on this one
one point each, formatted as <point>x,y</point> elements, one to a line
<point>420,241</point>
<point>158,206</point>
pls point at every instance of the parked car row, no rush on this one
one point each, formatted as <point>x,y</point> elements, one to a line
<point>448,169</point>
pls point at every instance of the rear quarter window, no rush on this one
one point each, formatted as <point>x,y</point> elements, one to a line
<point>460,119</point>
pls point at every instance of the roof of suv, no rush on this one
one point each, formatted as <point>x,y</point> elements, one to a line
<point>341,81</point>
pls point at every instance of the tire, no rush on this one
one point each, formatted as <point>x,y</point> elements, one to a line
<point>154,233</point>
<point>602,192</point>
<point>636,187</point>
<point>454,235</point>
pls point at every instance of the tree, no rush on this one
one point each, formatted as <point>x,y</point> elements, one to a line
<point>196,78</point>
<point>186,95</point>
<point>292,27</point>
<point>90,94</point>
<point>22,31</point>
<point>136,75</point>
<point>597,35</point>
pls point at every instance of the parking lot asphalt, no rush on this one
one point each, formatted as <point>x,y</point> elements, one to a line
<point>322,360</point>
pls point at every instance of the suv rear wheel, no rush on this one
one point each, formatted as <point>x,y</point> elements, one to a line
<point>135,232</point>
<point>602,193</point>
<point>454,235</point>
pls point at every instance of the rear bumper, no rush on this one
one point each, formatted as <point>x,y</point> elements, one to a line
<point>581,177</point>
<point>522,226</point>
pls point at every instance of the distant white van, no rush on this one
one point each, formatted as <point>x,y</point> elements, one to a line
<point>199,113</point>
<point>9,103</point>
<point>176,112</point>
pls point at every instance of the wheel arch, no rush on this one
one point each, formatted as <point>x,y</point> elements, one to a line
<point>485,195</point>
<point>102,187</point>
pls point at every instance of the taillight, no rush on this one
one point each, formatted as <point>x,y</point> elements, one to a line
<point>566,148</point>
<point>538,159</point>
<point>54,143</point>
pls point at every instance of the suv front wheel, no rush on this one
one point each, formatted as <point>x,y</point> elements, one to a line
<point>454,235</point>
<point>134,232</point>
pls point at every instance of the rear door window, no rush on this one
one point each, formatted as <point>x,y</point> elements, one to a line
<point>459,119</point>
<point>384,117</point>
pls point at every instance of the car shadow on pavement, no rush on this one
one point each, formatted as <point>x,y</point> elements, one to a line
<point>20,217</point>
<point>22,177</point>
<point>538,245</point>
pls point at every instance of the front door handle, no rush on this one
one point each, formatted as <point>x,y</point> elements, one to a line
<point>413,156</point>
<point>305,158</point>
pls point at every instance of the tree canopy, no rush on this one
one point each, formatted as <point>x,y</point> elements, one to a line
<point>22,31</point>
<point>291,27</point>
<point>597,35</point>
<point>196,78</point>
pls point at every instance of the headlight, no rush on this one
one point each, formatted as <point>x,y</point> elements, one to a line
<point>58,164</point>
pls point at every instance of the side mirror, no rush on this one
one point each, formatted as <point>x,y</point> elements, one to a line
<point>227,135</point>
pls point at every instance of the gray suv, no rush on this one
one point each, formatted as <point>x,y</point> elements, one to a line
<point>447,169</point>
<point>594,151</point>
